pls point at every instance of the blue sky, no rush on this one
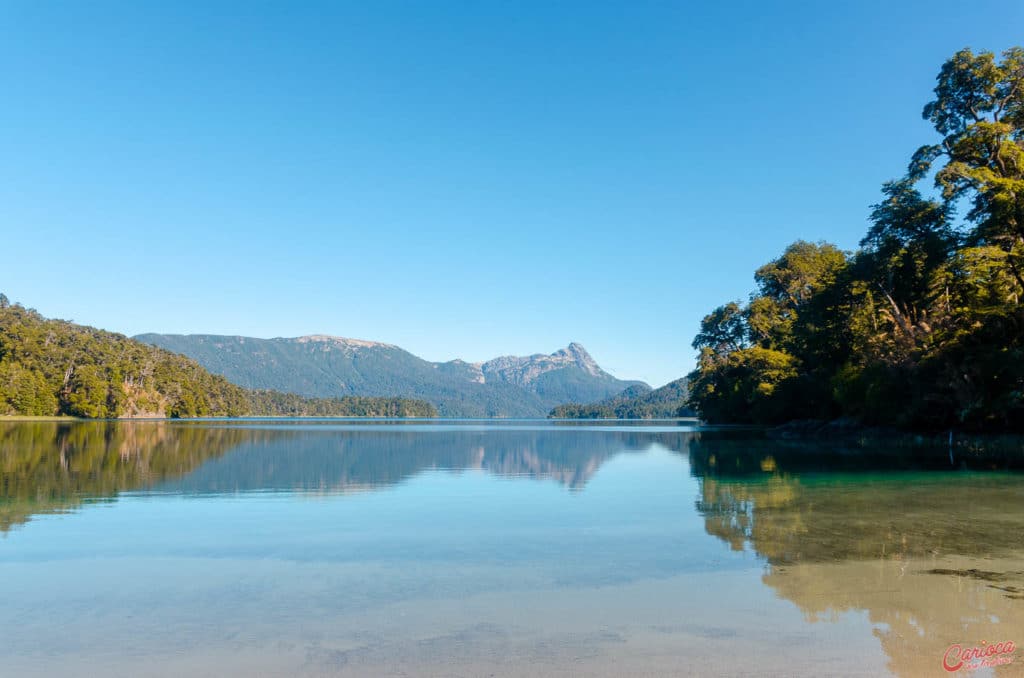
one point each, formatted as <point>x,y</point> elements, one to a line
<point>464,179</point>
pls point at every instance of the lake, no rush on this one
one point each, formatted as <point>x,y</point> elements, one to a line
<point>478,548</point>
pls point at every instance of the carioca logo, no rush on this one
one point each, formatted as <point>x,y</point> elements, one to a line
<point>958,657</point>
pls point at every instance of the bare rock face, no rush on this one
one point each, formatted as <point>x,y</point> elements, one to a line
<point>523,371</point>
<point>581,359</point>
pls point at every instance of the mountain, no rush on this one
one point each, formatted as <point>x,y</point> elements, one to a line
<point>55,367</point>
<point>636,402</point>
<point>328,366</point>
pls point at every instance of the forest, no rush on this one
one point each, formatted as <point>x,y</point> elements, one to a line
<point>636,402</point>
<point>55,367</point>
<point>922,326</point>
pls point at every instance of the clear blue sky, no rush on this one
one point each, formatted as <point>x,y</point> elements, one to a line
<point>462,179</point>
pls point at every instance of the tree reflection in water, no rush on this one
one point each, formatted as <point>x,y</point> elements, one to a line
<point>933,558</point>
<point>930,550</point>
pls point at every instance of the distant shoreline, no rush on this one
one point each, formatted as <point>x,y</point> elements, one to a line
<point>58,418</point>
<point>259,417</point>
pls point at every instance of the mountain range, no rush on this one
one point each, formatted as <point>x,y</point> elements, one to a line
<point>325,366</point>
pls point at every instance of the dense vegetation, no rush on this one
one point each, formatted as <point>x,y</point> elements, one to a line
<point>275,403</point>
<point>921,327</point>
<point>636,402</point>
<point>55,367</point>
<point>330,367</point>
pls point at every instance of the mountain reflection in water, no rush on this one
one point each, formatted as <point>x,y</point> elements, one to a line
<point>50,467</point>
<point>926,542</point>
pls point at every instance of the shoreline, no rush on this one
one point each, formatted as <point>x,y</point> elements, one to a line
<point>68,418</point>
<point>847,429</point>
<point>262,417</point>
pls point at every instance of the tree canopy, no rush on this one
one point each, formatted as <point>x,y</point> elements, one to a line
<point>922,326</point>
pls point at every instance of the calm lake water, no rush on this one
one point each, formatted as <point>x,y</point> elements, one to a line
<point>497,548</point>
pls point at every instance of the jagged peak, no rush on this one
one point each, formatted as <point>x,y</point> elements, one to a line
<point>575,350</point>
<point>580,356</point>
<point>573,354</point>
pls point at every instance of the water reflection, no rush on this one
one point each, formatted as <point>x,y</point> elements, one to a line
<point>923,542</point>
<point>324,461</point>
<point>932,558</point>
<point>48,467</point>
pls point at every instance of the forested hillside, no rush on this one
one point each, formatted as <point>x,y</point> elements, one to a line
<point>54,367</point>
<point>921,327</point>
<point>636,402</point>
<point>328,367</point>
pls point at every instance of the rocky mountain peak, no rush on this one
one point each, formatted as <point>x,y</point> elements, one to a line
<point>525,369</point>
<point>578,355</point>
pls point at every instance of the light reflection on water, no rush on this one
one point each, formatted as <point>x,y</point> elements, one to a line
<point>512,548</point>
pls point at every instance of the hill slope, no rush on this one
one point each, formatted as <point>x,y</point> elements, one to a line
<point>634,403</point>
<point>327,366</point>
<point>50,367</point>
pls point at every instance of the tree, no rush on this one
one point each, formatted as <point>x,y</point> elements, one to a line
<point>744,387</point>
<point>923,326</point>
<point>893,279</point>
<point>786,287</point>
<point>723,331</point>
<point>979,110</point>
<point>87,393</point>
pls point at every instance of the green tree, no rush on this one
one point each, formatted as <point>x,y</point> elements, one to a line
<point>979,111</point>
<point>923,326</point>
<point>723,331</point>
<point>787,287</point>
<point>87,393</point>
<point>747,386</point>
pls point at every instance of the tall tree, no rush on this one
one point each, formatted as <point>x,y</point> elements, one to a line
<point>924,325</point>
<point>979,111</point>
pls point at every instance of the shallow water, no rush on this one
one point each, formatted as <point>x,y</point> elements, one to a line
<point>496,548</point>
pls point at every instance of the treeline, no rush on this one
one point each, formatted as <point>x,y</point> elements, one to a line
<point>55,367</point>
<point>290,405</point>
<point>922,327</point>
<point>636,402</point>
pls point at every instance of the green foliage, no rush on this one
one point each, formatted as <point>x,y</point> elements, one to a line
<point>291,405</point>
<point>54,367</point>
<point>743,386</point>
<point>923,326</point>
<point>636,402</point>
<point>25,390</point>
<point>723,330</point>
<point>790,297</point>
<point>87,393</point>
